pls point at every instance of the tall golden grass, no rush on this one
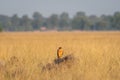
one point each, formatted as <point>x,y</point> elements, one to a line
<point>23,54</point>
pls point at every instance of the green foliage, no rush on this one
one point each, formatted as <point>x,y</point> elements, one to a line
<point>37,20</point>
<point>53,22</point>
<point>79,21</point>
<point>64,21</point>
<point>116,21</point>
<point>60,22</point>
<point>1,28</point>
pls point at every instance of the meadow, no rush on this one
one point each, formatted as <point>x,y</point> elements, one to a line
<point>23,55</point>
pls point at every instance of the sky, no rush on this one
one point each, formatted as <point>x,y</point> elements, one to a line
<point>48,7</point>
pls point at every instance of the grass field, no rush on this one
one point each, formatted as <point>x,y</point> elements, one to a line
<point>23,54</point>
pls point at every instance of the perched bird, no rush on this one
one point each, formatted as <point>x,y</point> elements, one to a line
<point>59,52</point>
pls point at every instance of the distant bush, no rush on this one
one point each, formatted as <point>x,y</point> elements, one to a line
<point>0,29</point>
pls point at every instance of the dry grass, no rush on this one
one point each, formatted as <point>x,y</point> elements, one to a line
<point>23,55</point>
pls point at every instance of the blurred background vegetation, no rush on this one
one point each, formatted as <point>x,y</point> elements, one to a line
<point>61,22</point>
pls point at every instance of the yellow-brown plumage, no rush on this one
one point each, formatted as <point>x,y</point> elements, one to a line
<point>59,52</point>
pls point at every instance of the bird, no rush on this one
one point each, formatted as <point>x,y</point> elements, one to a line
<point>59,53</point>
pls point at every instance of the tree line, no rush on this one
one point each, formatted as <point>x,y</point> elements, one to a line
<point>80,21</point>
